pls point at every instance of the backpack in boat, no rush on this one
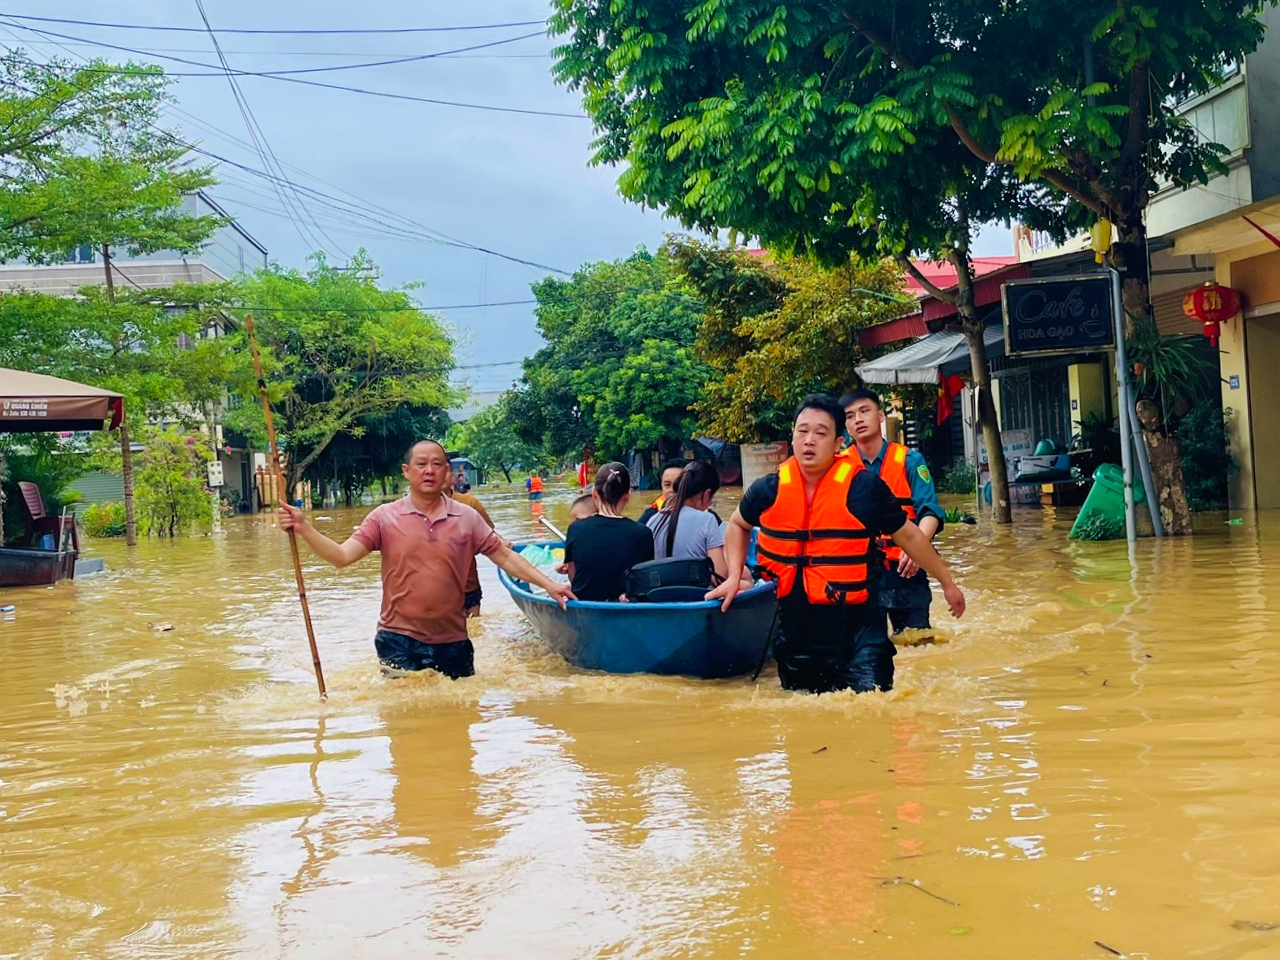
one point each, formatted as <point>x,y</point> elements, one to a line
<point>677,580</point>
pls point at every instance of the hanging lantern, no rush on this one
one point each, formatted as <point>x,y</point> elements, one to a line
<point>1211,304</point>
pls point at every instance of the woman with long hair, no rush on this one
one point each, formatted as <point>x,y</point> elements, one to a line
<point>685,528</point>
<point>599,550</point>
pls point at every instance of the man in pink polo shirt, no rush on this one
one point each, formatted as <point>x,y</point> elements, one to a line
<point>427,542</point>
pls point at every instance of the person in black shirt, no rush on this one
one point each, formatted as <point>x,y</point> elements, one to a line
<point>599,550</point>
<point>819,517</point>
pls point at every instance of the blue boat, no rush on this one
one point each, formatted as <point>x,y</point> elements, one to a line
<point>681,639</point>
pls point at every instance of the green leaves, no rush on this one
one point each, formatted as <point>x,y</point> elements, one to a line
<point>618,371</point>
<point>337,349</point>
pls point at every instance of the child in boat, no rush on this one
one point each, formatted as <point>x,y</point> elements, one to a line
<point>581,508</point>
<point>600,550</point>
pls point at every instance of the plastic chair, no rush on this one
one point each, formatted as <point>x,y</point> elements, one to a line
<point>38,520</point>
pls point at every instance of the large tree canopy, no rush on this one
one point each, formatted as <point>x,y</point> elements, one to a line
<point>897,127</point>
<point>775,332</point>
<point>618,371</point>
<point>337,349</point>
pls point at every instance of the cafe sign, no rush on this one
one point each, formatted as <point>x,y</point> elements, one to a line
<point>1058,315</point>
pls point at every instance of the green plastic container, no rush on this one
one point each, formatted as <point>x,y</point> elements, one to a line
<point>1104,506</point>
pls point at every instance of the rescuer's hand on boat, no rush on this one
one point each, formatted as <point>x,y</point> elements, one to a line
<point>725,593</point>
<point>561,593</point>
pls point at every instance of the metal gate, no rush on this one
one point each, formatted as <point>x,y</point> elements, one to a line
<point>1037,399</point>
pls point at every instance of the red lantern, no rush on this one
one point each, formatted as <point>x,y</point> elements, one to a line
<point>1211,304</point>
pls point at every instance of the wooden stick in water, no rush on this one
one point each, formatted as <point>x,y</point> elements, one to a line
<point>284,494</point>
<point>552,527</point>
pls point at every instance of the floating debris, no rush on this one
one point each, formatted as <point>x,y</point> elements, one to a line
<point>1261,926</point>
<point>161,627</point>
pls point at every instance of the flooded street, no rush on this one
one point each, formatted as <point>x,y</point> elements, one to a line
<point>1084,763</point>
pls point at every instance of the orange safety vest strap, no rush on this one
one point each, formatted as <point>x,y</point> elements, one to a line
<point>893,471</point>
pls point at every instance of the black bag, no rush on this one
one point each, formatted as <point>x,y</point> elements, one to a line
<point>681,580</point>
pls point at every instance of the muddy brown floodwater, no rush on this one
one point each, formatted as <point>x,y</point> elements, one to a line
<point>1087,762</point>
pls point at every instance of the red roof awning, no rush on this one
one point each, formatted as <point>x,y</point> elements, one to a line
<point>986,291</point>
<point>910,327</point>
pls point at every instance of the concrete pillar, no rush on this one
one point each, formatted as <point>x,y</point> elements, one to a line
<point>1233,361</point>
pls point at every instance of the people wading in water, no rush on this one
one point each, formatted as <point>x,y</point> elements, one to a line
<point>903,587</point>
<point>427,542</point>
<point>818,516</point>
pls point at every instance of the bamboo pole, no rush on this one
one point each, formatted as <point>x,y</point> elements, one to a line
<point>284,494</point>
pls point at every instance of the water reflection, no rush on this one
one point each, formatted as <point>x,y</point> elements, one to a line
<point>1086,759</point>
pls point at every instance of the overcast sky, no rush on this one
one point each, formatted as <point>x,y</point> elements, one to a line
<point>516,184</point>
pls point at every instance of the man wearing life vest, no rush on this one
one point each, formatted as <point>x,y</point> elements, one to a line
<point>904,587</point>
<point>672,470</point>
<point>534,486</point>
<point>818,517</point>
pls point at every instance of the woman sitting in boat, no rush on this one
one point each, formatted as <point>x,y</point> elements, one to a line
<point>599,550</point>
<point>686,527</point>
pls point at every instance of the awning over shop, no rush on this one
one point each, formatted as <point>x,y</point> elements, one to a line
<point>32,403</point>
<point>930,359</point>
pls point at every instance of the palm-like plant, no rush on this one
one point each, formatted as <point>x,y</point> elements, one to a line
<point>1173,370</point>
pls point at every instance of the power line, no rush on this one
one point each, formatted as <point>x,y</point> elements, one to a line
<point>410,309</point>
<point>366,30</point>
<point>282,73</point>
<point>265,153</point>
<point>446,55</point>
<point>384,94</point>
<point>337,203</point>
<point>433,235</point>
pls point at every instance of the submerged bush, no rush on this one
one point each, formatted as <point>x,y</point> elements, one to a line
<point>957,478</point>
<point>104,520</point>
<point>1206,456</point>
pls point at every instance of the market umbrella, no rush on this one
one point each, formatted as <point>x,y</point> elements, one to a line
<point>33,403</point>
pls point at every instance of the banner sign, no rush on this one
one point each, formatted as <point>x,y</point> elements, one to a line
<point>1060,315</point>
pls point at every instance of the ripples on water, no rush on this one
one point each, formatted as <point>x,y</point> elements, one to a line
<point>1086,759</point>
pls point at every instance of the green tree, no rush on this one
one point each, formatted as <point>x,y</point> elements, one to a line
<point>771,125</point>
<point>120,183</point>
<point>337,349</point>
<point>617,372</point>
<point>374,450</point>
<point>1050,103</point>
<point>137,344</point>
<point>171,481</point>
<point>490,438</point>
<point>777,331</point>
<point>50,112</point>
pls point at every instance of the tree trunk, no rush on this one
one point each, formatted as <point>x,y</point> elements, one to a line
<point>1129,256</point>
<point>126,474</point>
<point>506,473</point>
<point>1169,496</point>
<point>126,454</point>
<point>1001,507</point>
<point>111,280</point>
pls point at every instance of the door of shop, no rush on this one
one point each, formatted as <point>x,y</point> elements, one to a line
<point>1264,407</point>
<point>1037,399</point>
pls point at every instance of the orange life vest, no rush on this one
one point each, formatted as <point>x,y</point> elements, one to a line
<point>535,484</point>
<point>893,471</point>
<point>658,504</point>
<point>819,540</point>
